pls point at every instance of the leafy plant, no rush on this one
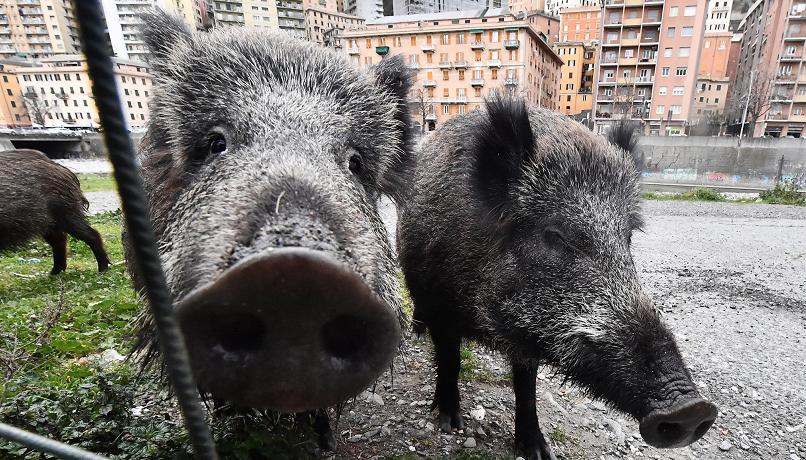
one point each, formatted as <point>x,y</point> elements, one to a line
<point>784,193</point>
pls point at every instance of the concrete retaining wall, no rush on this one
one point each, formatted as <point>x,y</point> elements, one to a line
<point>718,161</point>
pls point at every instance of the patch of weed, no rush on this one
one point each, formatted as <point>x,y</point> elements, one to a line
<point>783,193</point>
<point>96,182</point>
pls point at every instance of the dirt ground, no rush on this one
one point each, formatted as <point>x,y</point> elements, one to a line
<point>731,282</point>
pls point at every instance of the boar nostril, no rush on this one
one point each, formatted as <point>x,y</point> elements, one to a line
<point>702,429</point>
<point>241,333</point>
<point>670,431</point>
<point>345,337</point>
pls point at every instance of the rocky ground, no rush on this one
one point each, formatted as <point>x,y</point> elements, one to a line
<point>731,282</point>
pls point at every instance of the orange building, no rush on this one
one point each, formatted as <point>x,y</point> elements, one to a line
<point>576,79</point>
<point>580,24</point>
<point>461,57</point>
<point>12,107</point>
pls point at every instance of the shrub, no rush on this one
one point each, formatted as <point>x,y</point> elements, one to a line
<point>784,193</point>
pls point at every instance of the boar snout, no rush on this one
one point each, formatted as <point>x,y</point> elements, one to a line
<point>289,329</point>
<point>679,425</point>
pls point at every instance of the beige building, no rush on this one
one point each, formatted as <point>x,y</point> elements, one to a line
<point>576,78</point>
<point>526,6</point>
<point>461,58</point>
<point>270,14</point>
<point>36,28</point>
<point>325,27</point>
<point>649,63</point>
<point>57,93</point>
<point>12,107</point>
<point>773,51</point>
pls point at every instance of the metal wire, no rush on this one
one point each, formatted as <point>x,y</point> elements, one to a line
<point>130,186</point>
<point>45,445</point>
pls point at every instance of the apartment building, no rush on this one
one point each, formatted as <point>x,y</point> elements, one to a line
<point>368,10</point>
<point>461,58</point>
<point>649,64</point>
<point>555,7</point>
<point>772,53</point>
<point>545,25</point>
<point>325,27</point>
<point>719,12</point>
<point>56,91</point>
<point>12,106</point>
<point>580,24</point>
<point>36,28</point>
<point>404,7</point>
<point>713,80</point>
<point>576,78</point>
<point>526,6</point>
<point>269,14</point>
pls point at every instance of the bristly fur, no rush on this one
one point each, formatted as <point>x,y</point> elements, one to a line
<point>624,133</point>
<point>292,110</point>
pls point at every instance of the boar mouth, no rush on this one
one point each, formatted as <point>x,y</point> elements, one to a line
<point>289,329</point>
<point>680,425</point>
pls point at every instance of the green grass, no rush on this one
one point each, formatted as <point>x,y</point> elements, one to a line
<point>96,182</point>
<point>783,193</point>
<point>699,194</point>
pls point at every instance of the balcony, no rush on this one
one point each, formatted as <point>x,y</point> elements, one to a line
<point>648,60</point>
<point>428,48</point>
<point>628,61</point>
<point>797,14</point>
<point>612,61</point>
<point>460,64</point>
<point>797,117</point>
<point>613,22</point>
<point>512,44</point>
<point>477,82</point>
<point>413,65</point>
<point>791,57</point>
<point>494,63</point>
<point>382,50</point>
<point>782,97</point>
<point>649,40</point>
<point>799,98</point>
<point>511,81</point>
<point>429,83</point>
<point>445,65</point>
<point>353,50</point>
<point>477,46</point>
<point>614,3</point>
<point>459,100</point>
<point>645,80</point>
<point>633,21</point>
<point>629,42</point>
<point>795,34</point>
<point>786,79</point>
<point>431,117</point>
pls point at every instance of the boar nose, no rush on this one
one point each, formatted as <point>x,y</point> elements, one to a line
<point>289,329</point>
<point>680,425</point>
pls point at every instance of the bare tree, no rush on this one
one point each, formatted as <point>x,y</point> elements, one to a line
<point>424,106</point>
<point>756,97</point>
<point>38,107</point>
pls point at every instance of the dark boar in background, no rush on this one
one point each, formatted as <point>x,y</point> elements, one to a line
<point>263,162</point>
<point>41,198</point>
<point>517,235</point>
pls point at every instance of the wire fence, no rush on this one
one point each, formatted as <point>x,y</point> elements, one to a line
<point>120,148</point>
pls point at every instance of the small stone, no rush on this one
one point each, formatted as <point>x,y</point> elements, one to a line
<point>519,458</point>
<point>792,429</point>
<point>371,433</point>
<point>725,445</point>
<point>370,397</point>
<point>480,432</point>
<point>478,413</point>
<point>355,438</point>
<point>429,426</point>
<point>470,443</point>
<point>385,432</point>
<point>421,423</point>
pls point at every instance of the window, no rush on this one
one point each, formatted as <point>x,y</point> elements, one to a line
<point>673,11</point>
<point>494,74</point>
<point>677,91</point>
<point>461,75</point>
<point>664,72</point>
<point>681,71</point>
<point>670,32</point>
<point>690,11</point>
<point>627,54</point>
<point>719,87</point>
<point>9,92</point>
<point>461,109</point>
<point>413,40</point>
<point>494,36</point>
<point>460,38</point>
<point>662,91</point>
<point>660,109</point>
<point>721,44</point>
<point>667,52</point>
<point>675,109</point>
<point>716,100</point>
<point>702,99</point>
<point>446,109</point>
<point>445,75</point>
<point>684,52</point>
<point>707,44</point>
<point>687,32</point>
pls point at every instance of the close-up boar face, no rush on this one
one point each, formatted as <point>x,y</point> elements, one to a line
<point>263,162</point>
<point>565,208</point>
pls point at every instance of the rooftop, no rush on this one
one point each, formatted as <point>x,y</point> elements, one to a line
<point>444,16</point>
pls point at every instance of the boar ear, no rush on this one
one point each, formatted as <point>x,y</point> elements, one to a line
<point>624,133</point>
<point>503,141</point>
<point>394,76</point>
<point>162,32</point>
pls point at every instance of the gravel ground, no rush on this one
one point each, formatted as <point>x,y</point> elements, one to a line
<point>730,281</point>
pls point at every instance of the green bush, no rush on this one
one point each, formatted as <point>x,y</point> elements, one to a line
<point>702,194</point>
<point>783,193</point>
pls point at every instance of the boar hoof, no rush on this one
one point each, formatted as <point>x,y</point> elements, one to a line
<point>449,421</point>
<point>541,451</point>
<point>327,441</point>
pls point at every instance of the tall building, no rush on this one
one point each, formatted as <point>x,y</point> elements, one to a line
<point>404,7</point>
<point>270,14</point>
<point>461,58</point>
<point>650,58</point>
<point>772,54</point>
<point>368,10</point>
<point>719,12</point>
<point>580,24</point>
<point>56,91</point>
<point>325,27</point>
<point>713,79</point>
<point>13,113</point>
<point>576,78</point>
<point>526,6</point>
<point>554,7</point>
<point>36,28</point>
<point>546,26</point>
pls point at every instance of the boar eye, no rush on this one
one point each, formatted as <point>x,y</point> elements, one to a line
<point>355,164</point>
<point>556,238</point>
<point>217,144</point>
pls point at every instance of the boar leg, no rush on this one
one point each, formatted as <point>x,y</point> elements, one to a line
<point>58,242</point>
<point>81,230</point>
<point>321,426</point>
<point>529,440</point>
<point>446,396</point>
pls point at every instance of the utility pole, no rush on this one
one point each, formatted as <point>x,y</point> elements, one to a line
<point>746,105</point>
